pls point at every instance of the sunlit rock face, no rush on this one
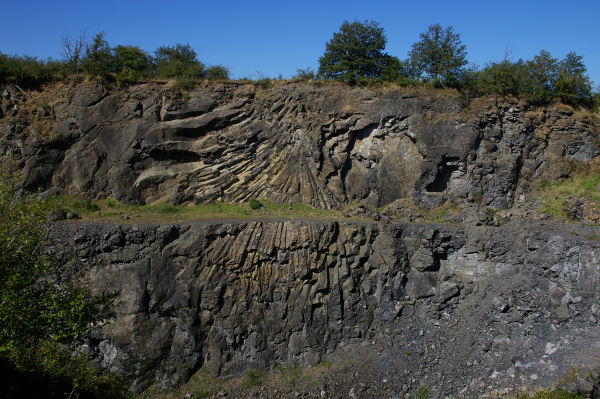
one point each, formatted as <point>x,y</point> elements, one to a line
<point>472,307</point>
<point>321,144</point>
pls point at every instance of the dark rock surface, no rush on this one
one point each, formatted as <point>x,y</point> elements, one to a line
<point>483,306</point>
<point>321,144</point>
<point>464,310</point>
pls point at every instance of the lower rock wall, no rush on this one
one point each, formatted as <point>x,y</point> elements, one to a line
<point>472,308</point>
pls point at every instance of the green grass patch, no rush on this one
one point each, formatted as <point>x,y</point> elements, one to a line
<point>111,209</point>
<point>421,393</point>
<point>253,377</point>
<point>292,373</point>
<point>555,194</point>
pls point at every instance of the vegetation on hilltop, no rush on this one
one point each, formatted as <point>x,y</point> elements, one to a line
<point>354,55</point>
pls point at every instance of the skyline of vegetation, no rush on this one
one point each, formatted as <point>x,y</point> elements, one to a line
<point>354,55</point>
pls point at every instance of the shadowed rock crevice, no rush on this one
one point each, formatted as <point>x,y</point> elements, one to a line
<point>443,174</point>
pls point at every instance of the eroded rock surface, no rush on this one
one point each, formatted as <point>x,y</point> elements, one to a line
<point>321,144</point>
<point>465,310</point>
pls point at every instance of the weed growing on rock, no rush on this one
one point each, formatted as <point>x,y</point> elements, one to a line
<point>421,393</point>
<point>253,377</point>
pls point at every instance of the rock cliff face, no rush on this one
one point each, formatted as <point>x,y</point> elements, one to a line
<point>324,145</point>
<point>469,309</point>
<point>474,309</point>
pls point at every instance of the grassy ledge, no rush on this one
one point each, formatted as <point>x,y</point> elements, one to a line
<point>583,186</point>
<point>111,209</point>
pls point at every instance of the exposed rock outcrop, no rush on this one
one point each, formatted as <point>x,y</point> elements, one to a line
<point>475,309</point>
<point>321,144</point>
<point>471,308</point>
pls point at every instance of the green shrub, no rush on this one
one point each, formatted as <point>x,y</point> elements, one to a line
<point>304,74</point>
<point>254,204</point>
<point>131,63</point>
<point>179,61</point>
<point>264,83</point>
<point>253,377</point>
<point>217,72</point>
<point>99,60</point>
<point>28,71</point>
<point>421,393</point>
<point>503,77</point>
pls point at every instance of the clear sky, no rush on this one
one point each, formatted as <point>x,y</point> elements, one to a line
<point>270,38</point>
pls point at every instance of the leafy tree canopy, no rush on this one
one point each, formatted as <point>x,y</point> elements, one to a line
<point>543,71</point>
<point>131,63</point>
<point>98,59</point>
<point>440,54</point>
<point>178,61</point>
<point>504,77</point>
<point>217,72</point>
<point>355,52</point>
<point>572,83</point>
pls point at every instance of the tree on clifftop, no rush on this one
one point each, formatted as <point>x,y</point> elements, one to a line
<point>179,61</point>
<point>572,84</point>
<point>441,55</point>
<point>354,53</point>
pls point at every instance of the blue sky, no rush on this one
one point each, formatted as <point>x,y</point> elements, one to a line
<point>269,38</point>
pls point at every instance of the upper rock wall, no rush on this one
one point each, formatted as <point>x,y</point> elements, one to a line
<point>320,144</point>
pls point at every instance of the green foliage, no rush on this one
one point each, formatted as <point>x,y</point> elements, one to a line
<point>42,311</point>
<point>32,308</point>
<point>254,204</point>
<point>99,60</point>
<point>131,63</point>
<point>390,68</point>
<point>292,373</point>
<point>572,84</point>
<point>264,83</point>
<point>110,208</point>
<point>28,71</point>
<point>504,77</point>
<point>541,79</point>
<point>179,61</point>
<point>441,55</point>
<point>303,74</point>
<point>421,393</point>
<point>542,71</point>
<point>354,53</point>
<point>217,72</point>
<point>253,377</point>
<point>51,371</point>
